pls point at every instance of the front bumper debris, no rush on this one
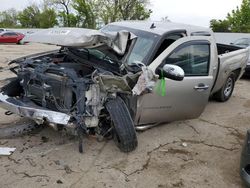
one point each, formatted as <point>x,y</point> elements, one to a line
<point>32,111</point>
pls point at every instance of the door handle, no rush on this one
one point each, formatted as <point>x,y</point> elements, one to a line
<point>201,87</point>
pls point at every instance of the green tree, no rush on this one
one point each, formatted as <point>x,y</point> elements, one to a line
<point>115,10</point>
<point>134,9</point>
<point>236,21</point>
<point>220,25</point>
<point>109,11</point>
<point>239,19</point>
<point>30,17</point>
<point>35,17</point>
<point>48,18</point>
<point>86,13</point>
<point>67,18</point>
<point>76,13</point>
<point>8,18</point>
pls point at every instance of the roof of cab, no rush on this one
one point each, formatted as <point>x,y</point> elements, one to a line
<point>162,27</point>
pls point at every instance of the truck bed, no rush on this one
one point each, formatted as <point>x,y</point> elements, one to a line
<point>224,48</point>
<point>231,59</point>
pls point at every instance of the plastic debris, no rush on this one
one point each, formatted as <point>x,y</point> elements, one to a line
<point>184,144</point>
<point>6,150</point>
<point>146,82</point>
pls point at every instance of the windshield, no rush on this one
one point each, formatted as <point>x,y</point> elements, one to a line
<point>144,44</point>
<point>140,50</point>
<point>103,53</point>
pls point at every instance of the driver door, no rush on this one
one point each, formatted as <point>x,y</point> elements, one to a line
<point>183,99</point>
<point>4,38</point>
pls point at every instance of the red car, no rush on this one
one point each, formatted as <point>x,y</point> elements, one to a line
<point>11,37</point>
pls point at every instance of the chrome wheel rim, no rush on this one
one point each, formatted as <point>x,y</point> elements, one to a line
<point>229,87</point>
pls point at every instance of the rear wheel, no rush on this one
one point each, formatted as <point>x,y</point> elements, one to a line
<point>124,131</point>
<point>226,91</point>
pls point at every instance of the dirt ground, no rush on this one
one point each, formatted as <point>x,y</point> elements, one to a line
<point>204,152</point>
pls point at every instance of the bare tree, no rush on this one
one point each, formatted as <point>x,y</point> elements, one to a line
<point>63,5</point>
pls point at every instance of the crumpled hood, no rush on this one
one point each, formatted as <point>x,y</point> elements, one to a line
<point>81,37</point>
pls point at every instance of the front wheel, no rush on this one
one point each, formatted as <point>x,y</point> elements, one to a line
<point>20,42</point>
<point>124,131</point>
<point>226,91</point>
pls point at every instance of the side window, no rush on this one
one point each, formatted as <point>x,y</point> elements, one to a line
<point>167,42</point>
<point>10,34</point>
<point>194,59</point>
<point>13,34</point>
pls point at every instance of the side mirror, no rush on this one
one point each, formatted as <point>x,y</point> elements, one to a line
<point>172,72</point>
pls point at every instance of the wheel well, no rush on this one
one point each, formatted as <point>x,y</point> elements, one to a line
<point>237,73</point>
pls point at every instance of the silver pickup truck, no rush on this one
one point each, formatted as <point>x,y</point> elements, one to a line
<point>127,76</point>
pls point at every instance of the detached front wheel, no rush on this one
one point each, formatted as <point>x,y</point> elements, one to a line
<point>124,131</point>
<point>227,90</point>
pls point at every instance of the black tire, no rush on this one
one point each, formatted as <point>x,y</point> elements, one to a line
<point>124,131</point>
<point>19,128</point>
<point>19,42</point>
<point>227,90</point>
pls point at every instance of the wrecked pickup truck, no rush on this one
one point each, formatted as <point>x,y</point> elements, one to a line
<point>125,77</point>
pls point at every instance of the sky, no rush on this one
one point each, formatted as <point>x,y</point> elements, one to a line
<point>194,12</point>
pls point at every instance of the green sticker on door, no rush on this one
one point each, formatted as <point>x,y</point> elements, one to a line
<point>161,86</point>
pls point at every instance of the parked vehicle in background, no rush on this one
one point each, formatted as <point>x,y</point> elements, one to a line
<point>244,43</point>
<point>11,37</point>
<point>2,30</point>
<point>127,76</point>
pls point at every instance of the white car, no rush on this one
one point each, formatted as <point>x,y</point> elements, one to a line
<point>2,30</point>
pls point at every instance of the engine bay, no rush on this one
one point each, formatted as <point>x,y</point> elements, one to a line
<point>75,90</point>
<point>56,85</point>
<point>76,82</point>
